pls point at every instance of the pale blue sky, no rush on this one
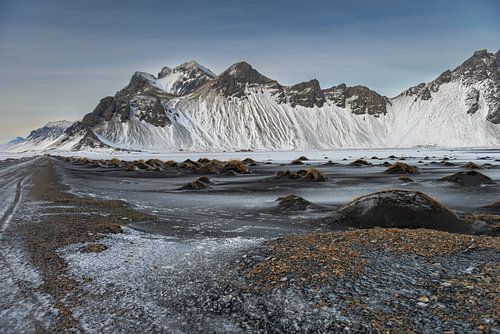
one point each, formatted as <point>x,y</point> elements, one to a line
<point>58,58</point>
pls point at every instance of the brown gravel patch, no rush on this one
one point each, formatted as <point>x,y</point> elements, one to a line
<point>312,259</point>
<point>84,220</point>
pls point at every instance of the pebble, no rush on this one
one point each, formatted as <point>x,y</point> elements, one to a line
<point>469,270</point>
<point>424,299</point>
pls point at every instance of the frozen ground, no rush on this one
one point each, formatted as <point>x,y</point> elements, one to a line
<point>163,276</point>
<point>141,283</point>
<point>22,305</point>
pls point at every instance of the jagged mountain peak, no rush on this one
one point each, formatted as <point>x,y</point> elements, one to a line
<point>239,66</point>
<point>479,64</point>
<point>60,124</point>
<point>233,81</point>
<point>244,72</point>
<point>180,80</point>
<point>48,132</point>
<point>194,65</point>
<point>184,78</point>
<point>188,68</point>
<point>307,94</point>
<point>140,83</point>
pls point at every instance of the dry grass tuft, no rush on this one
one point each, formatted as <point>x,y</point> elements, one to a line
<point>402,168</point>
<point>237,166</point>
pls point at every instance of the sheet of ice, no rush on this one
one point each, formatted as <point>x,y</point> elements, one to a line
<point>141,280</point>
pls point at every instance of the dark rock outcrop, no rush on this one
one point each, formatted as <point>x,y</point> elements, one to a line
<point>360,99</point>
<point>472,100</point>
<point>233,81</point>
<point>150,110</point>
<point>401,209</point>
<point>293,203</point>
<point>307,94</point>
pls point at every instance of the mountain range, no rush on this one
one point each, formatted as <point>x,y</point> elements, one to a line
<point>191,108</point>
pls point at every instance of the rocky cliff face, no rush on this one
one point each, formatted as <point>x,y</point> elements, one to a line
<point>234,81</point>
<point>480,74</point>
<point>307,94</point>
<point>360,99</point>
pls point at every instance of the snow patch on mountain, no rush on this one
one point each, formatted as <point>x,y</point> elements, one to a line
<point>442,120</point>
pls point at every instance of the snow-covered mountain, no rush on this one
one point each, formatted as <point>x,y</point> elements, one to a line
<point>12,143</point>
<point>190,108</point>
<point>42,138</point>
